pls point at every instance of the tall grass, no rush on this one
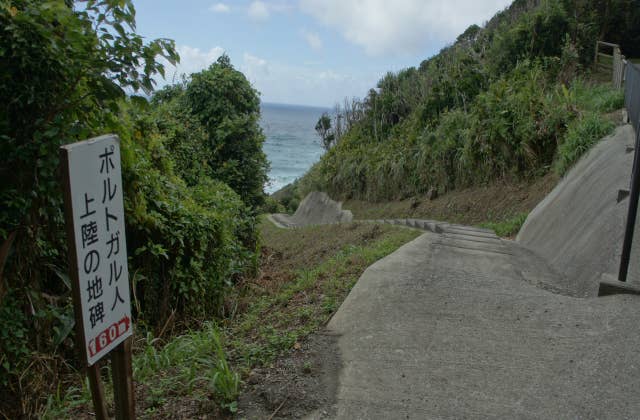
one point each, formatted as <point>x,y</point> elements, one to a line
<point>520,127</point>
<point>582,133</point>
<point>509,227</point>
<point>193,365</point>
<point>196,362</point>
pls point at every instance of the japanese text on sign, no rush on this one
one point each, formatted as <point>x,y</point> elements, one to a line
<point>98,220</point>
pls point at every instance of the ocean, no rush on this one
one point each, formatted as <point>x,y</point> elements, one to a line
<point>292,144</point>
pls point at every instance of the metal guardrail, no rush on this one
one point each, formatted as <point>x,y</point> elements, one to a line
<point>632,103</point>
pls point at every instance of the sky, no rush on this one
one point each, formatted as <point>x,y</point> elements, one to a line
<point>309,52</point>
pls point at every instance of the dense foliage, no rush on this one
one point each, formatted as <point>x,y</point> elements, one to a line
<point>62,73</point>
<point>193,171</point>
<point>504,100</point>
<point>186,242</point>
<point>228,108</point>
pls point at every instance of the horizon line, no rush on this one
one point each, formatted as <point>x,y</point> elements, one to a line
<point>289,104</point>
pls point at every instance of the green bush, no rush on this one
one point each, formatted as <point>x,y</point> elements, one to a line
<point>515,127</point>
<point>14,349</point>
<point>600,99</point>
<point>63,71</point>
<point>185,242</point>
<point>507,228</point>
<point>511,130</point>
<point>189,234</point>
<point>289,196</point>
<point>185,138</point>
<point>581,135</point>
<point>537,33</point>
<point>228,108</point>
<point>271,205</point>
<point>438,154</point>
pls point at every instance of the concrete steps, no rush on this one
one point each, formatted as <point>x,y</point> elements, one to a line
<point>438,227</point>
<point>461,324</point>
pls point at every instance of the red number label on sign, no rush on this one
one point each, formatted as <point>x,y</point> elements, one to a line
<point>108,336</point>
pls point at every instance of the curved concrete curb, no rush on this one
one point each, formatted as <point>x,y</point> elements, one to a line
<point>427,225</point>
<point>317,208</point>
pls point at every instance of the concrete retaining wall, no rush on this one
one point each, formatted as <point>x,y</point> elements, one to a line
<point>579,226</point>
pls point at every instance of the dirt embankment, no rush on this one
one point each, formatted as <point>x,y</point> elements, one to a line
<point>471,206</point>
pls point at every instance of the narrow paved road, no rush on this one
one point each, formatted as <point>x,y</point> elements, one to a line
<point>461,324</point>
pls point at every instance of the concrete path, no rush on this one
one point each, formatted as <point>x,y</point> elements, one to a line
<point>458,324</point>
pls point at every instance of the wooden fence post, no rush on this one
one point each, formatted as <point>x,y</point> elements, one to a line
<point>121,370</point>
<point>617,66</point>
<point>97,392</point>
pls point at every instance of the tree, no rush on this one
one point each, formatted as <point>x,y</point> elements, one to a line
<point>324,130</point>
<point>226,104</point>
<point>63,72</point>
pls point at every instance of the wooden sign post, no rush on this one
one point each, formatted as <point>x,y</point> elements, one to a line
<point>94,212</point>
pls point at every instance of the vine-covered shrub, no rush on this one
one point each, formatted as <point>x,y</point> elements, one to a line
<point>63,71</point>
<point>228,108</point>
<point>185,242</point>
<point>64,68</point>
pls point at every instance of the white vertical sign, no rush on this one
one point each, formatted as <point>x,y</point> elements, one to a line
<point>95,184</point>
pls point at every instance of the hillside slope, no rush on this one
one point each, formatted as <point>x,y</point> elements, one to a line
<point>509,100</point>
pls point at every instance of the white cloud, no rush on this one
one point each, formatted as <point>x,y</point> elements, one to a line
<point>254,61</point>
<point>312,39</point>
<point>331,75</point>
<point>254,68</point>
<point>219,8</point>
<point>303,84</point>
<point>261,10</point>
<point>192,60</point>
<point>401,26</point>
<point>258,10</point>
<point>310,83</point>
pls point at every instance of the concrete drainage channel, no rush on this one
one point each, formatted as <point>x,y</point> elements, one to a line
<point>461,236</point>
<point>453,235</point>
<point>318,208</point>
